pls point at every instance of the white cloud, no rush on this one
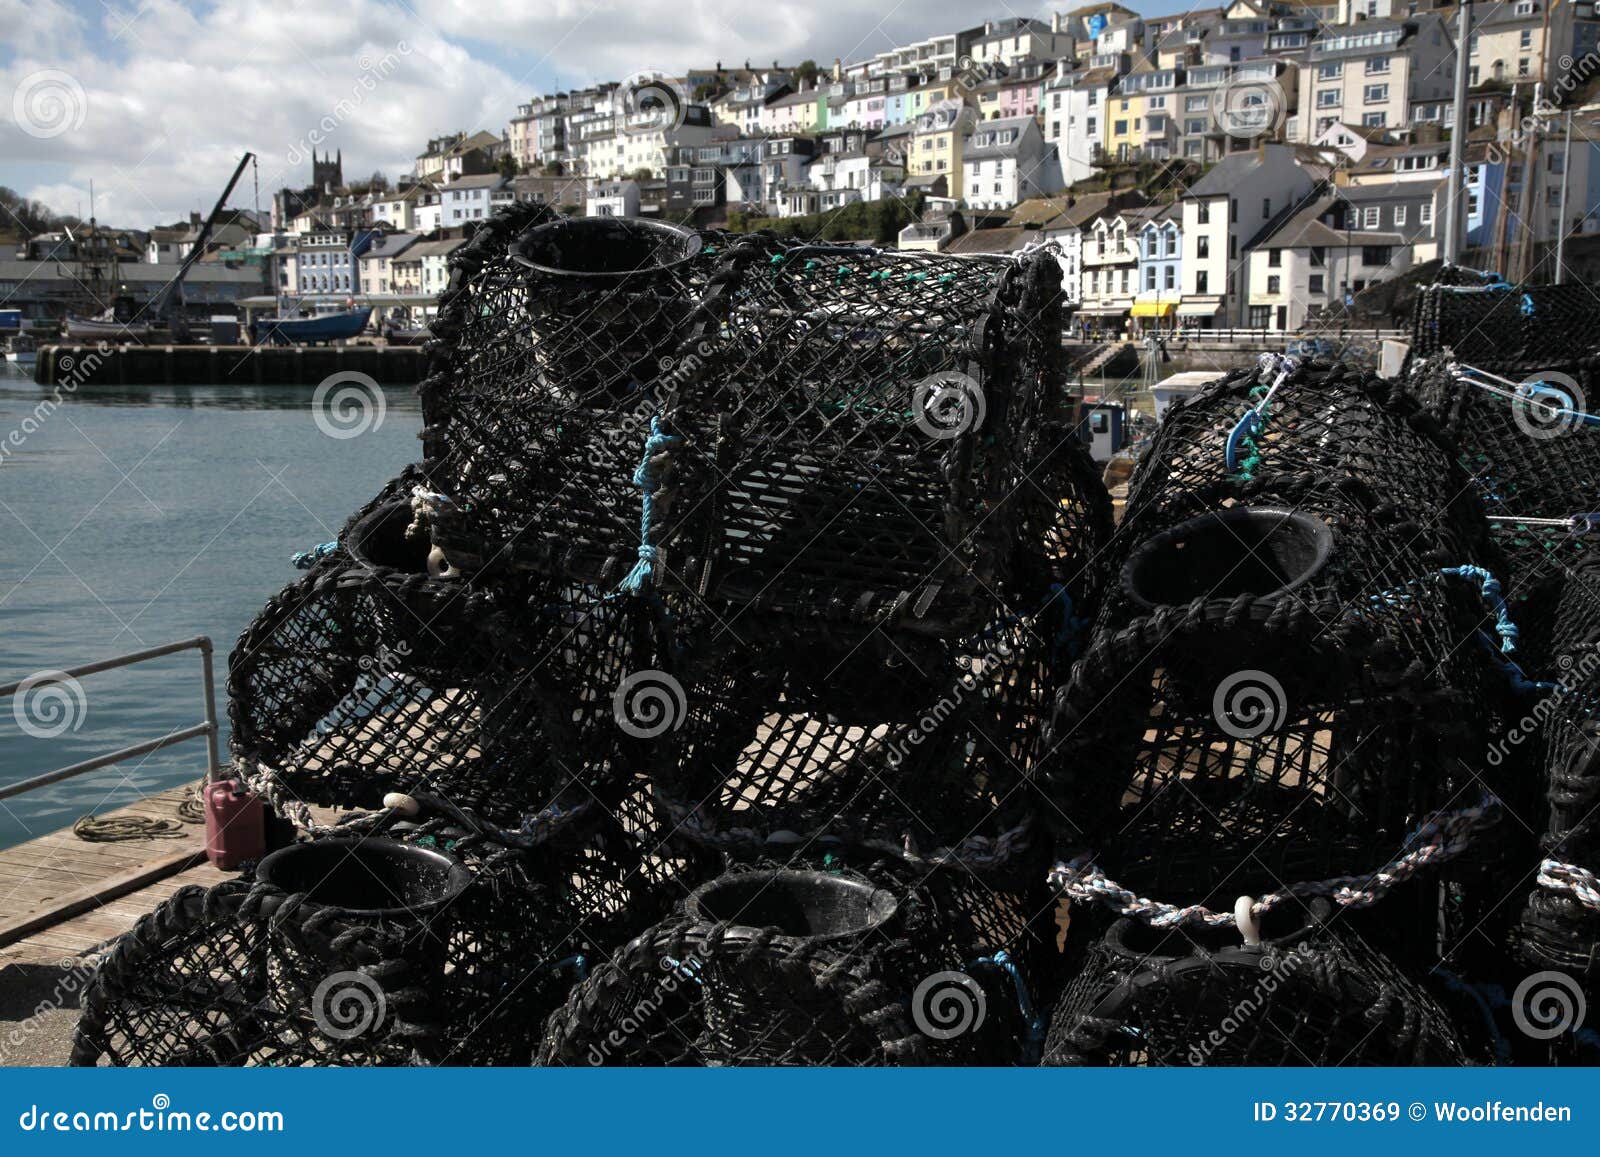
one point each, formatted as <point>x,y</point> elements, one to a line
<point>174,92</point>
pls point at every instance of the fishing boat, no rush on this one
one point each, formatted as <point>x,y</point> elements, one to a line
<point>22,351</point>
<point>120,323</point>
<point>310,330</point>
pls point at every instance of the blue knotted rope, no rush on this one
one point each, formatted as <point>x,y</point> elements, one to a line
<point>1068,632</point>
<point>1492,593</point>
<point>1033,1040</point>
<point>306,559</point>
<point>648,479</point>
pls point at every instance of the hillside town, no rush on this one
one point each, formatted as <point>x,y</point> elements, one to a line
<point>1255,166</point>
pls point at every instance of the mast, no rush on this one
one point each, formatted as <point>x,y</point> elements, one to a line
<point>163,304</point>
<point>1458,140</point>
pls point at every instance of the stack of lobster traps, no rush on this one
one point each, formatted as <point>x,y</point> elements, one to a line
<point>751,673</point>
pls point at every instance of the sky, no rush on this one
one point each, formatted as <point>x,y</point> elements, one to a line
<point>154,101</point>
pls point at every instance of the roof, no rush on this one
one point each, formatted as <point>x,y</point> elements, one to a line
<point>486,181</point>
<point>1306,228</point>
<point>390,244</point>
<point>1004,239</point>
<point>434,249</point>
<point>1226,175</point>
<point>982,152</point>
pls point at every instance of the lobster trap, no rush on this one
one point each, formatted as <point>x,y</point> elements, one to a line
<point>786,966</point>
<point>1560,925</point>
<point>435,940</point>
<point>1316,994</point>
<point>827,432</point>
<point>1484,321</point>
<point>341,692</point>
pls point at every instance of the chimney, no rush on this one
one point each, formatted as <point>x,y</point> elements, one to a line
<point>1055,22</point>
<point>988,27</point>
<point>194,219</point>
<point>838,69</point>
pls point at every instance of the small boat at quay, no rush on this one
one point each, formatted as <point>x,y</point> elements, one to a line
<point>310,330</point>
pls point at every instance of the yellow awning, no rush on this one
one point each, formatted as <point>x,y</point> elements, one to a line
<point>1154,308</point>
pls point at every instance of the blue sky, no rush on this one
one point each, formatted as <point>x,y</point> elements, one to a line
<point>155,100</point>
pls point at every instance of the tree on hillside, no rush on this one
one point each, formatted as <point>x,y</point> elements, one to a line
<point>508,165</point>
<point>806,71</point>
<point>29,217</point>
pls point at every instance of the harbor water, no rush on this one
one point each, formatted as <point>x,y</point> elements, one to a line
<point>135,517</point>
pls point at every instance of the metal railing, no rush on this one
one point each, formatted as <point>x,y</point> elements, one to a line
<point>208,728</point>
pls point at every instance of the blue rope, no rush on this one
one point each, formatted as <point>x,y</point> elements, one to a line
<point>579,965</point>
<point>1248,427</point>
<point>1492,594</point>
<point>648,479</point>
<point>1515,675</point>
<point>1033,1042</point>
<point>1067,633</point>
<point>306,559</point>
<point>1527,305</point>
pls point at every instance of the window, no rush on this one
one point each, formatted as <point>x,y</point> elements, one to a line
<point>1372,120</point>
<point>1171,277</point>
<point>1274,285</point>
<point>1425,213</point>
<point>1203,216</point>
<point>1275,258</point>
<point>1526,39</point>
<point>1399,215</point>
<point>1377,65</point>
<point>1376,93</point>
<point>1522,66</point>
<point>1329,70</point>
<point>1314,283</point>
<point>1196,103</point>
<point>1319,257</point>
<point>1201,281</point>
<point>1374,255</point>
<point>1328,98</point>
<point>1523,8</point>
<point>1090,122</point>
<point>1202,247</point>
<point>1266,208</point>
<point>1119,128</point>
<point>1124,280</point>
<point>1150,277</point>
<point>1233,210</point>
<point>1260,316</point>
<point>1194,127</point>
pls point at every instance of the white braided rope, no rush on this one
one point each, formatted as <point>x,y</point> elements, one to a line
<point>1580,882</point>
<point>1440,837</point>
<point>425,507</point>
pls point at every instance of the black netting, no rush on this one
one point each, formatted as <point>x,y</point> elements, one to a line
<point>829,431</point>
<point>1561,923</point>
<point>898,742</point>
<point>1317,996</point>
<point>1503,328</point>
<point>345,688</point>
<point>818,967</point>
<point>1530,453</point>
<point>547,367</point>
<point>384,942</point>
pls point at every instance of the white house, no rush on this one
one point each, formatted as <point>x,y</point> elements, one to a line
<point>1005,162</point>
<point>470,198</point>
<point>613,199</point>
<point>1223,213</point>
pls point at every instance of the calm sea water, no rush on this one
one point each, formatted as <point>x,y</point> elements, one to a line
<point>132,518</point>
